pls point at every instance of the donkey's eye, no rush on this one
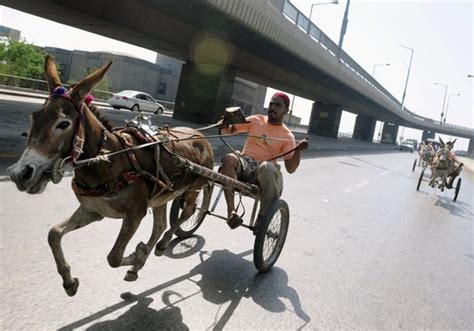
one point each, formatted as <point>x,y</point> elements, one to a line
<point>63,125</point>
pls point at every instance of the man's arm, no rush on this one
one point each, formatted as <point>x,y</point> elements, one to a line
<point>292,163</point>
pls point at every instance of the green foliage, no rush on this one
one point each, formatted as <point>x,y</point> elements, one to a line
<point>22,59</point>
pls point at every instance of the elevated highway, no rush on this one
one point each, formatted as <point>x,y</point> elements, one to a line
<point>268,42</point>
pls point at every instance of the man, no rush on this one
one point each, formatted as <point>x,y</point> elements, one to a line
<point>456,165</point>
<point>269,139</point>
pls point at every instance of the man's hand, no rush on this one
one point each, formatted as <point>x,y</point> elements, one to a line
<point>303,144</point>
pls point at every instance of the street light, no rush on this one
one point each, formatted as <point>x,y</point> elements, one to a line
<point>379,65</point>
<point>333,2</point>
<point>444,99</point>
<point>408,74</point>
<point>343,28</point>
<point>447,105</point>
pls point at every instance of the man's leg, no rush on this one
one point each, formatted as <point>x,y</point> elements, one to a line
<point>229,167</point>
<point>270,181</point>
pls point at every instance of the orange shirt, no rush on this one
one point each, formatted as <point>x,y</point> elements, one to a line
<point>262,149</point>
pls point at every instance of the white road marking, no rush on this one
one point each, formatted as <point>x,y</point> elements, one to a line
<point>368,181</point>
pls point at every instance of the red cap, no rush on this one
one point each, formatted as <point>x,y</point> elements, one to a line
<point>282,96</point>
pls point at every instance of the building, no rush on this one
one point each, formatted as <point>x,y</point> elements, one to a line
<point>159,79</point>
<point>10,33</point>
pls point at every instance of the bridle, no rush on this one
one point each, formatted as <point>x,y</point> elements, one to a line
<point>78,138</point>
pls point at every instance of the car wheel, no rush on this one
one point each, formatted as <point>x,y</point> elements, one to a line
<point>135,107</point>
<point>159,111</point>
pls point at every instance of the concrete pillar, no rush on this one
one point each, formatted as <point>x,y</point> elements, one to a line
<point>364,128</point>
<point>427,134</point>
<point>203,95</point>
<point>325,120</point>
<point>389,133</point>
<point>470,148</point>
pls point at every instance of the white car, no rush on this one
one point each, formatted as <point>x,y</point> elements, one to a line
<point>136,101</point>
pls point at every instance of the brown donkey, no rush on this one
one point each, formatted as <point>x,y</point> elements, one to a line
<point>123,188</point>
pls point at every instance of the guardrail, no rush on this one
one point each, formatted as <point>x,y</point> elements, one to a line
<point>42,85</point>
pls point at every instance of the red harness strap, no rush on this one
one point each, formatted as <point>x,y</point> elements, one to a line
<point>107,189</point>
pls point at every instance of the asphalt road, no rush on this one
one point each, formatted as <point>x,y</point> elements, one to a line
<point>365,250</point>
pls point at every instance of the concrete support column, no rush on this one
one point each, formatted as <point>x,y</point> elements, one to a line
<point>203,95</point>
<point>389,133</point>
<point>364,128</point>
<point>325,120</point>
<point>470,148</point>
<point>427,134</point>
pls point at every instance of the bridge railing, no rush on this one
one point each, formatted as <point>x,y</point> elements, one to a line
<point>294,15</point>
<point>297,17</point>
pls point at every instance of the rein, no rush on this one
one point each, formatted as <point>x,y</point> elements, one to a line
<point>106,157</point>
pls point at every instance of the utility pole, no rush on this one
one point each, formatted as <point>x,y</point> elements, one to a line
<point>343,27</point>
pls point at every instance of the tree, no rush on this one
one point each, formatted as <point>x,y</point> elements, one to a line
<point>21,59</point>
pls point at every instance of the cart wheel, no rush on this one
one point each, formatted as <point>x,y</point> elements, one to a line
<point>456,192</point>
<point>271,235</point>
<point>414,165</point>
<point>188,227</point>
<point>420,179</point>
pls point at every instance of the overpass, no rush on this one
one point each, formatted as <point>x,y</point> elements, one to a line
<point>268,42</point>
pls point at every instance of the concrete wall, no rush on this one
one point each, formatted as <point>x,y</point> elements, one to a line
<point>169,77</point>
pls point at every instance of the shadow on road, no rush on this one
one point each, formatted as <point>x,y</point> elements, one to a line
<point>226,279</point>
<point>457,208</point>
<point>142,317</point>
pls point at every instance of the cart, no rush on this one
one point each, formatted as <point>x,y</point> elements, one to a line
<point>440,182</point>
<point>270,230</point>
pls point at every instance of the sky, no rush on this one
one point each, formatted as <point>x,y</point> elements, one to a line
<point>441,33</point>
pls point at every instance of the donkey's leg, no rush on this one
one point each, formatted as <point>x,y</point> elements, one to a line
<point>143,251</point>
<point>79,219</point>
<point>130,224</point>
<point>189,208</point>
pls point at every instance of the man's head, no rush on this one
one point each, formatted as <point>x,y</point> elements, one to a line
<point>278,107</point>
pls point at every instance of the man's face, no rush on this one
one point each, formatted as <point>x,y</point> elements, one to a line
<point>276,110</point>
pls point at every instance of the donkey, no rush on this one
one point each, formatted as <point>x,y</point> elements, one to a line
<point>444,167</point>
<point>66,129</point>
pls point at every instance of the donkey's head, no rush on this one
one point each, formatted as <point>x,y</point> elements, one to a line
<point>442,160</point>
<point>57,130</point>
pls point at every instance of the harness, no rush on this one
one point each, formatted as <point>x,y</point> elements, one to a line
<point>144,133</point>
<point>117,184</point>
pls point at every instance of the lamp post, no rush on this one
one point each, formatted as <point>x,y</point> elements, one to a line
<point>447,105</point>
<point>408,75</point>
<point>333,2</point>
<point>343,28</point>
<point>444,99</point>
<point>379,65</point>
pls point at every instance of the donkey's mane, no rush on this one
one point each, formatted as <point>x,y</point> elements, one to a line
<point>106,122</point>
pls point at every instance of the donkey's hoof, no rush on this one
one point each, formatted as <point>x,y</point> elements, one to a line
<point>131,276</point>
<point>71,289</point>
<point>159,251</point>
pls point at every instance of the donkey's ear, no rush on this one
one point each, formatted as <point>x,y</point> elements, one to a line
<point>442,142</point>
<point>454,141</point>
<point>51,73</point>
<point>85,86</point>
